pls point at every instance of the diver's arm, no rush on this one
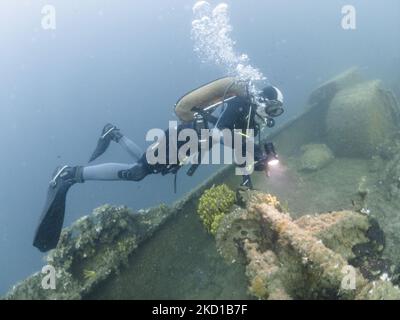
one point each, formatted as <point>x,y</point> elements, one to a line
<point>210,118</point>
<point>207,116</point>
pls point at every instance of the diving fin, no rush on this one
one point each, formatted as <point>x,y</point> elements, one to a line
<point>108,134</point>
<point>102,146</point>
<point>51,222</point>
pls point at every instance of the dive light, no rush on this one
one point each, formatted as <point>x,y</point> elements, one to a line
<point>272,156</point>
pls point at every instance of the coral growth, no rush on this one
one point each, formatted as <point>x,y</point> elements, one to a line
<point>239,225</point>
<point>264,273</point>
<point>214,204</point>
<point>339,231</point>
<point>302,259</point>
<point>92,249</point>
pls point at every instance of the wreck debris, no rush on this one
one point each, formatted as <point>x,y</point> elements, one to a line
<point>310,127</point>
<point>360,118</point>
<point>239,225</point>
<point>264,273</point>
<point>315,157</point>
<point>92,249</point>
<point>302,259</point>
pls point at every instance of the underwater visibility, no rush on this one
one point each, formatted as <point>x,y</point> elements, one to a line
<point>200,150</point>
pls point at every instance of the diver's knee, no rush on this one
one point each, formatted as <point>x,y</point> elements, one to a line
<point>137,173</point>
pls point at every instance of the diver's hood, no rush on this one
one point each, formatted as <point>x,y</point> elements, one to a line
<point>280,95</point>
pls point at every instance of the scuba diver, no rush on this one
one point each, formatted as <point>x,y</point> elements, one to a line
<point>238,110</point>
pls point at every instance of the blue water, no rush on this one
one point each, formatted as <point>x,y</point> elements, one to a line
<point>127,62</point>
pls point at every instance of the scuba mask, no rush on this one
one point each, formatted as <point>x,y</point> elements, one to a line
<point>270,108</point>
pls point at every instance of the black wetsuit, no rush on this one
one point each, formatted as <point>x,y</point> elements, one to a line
<point>234,116</point>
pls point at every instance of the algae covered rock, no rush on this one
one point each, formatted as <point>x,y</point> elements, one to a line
<point>315,157</point>
<point>360,118</point>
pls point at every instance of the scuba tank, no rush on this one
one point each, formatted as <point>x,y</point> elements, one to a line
<point>192,107</point>
<point>208,96</point>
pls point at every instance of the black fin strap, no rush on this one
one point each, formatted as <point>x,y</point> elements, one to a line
<point>79,174</point>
